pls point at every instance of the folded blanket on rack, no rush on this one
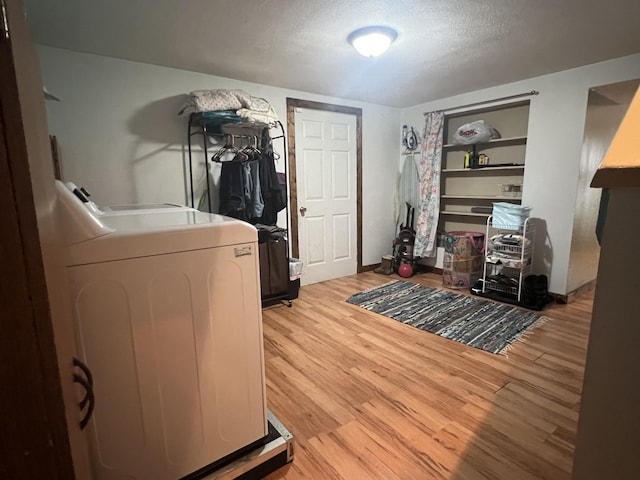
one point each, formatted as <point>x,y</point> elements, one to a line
<point>250,115</point>
<point>259,105</point>
<point>224,99</point>
<point>219,99</point>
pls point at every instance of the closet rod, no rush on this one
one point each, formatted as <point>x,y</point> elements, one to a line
<point>509,97</point>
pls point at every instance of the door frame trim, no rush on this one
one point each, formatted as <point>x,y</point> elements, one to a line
<point>37,441</point>
<point>292,103</point>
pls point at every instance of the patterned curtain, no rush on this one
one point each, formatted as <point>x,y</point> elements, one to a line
<point>429,178</point>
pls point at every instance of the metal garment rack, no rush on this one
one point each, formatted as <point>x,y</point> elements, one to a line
<point>199,124</point>
<point>284,296</point>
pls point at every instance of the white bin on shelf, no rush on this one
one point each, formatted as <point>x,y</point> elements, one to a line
<point>509,216</point>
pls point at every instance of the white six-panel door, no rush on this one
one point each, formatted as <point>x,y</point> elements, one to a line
<point>326,193</point>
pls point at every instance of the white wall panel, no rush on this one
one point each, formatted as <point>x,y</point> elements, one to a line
<point>120,135</point>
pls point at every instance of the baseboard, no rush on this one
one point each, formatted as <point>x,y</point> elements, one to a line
<point>429,269</point>
<point>368,268</point>
<point>559,298</point>
<point>420,268</point>
<point>572,295</point>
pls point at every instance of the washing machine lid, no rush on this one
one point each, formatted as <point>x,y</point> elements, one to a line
<point>80,193</point>
<point>141,209</point>
<point>139,235</point>
<point>92,238</point>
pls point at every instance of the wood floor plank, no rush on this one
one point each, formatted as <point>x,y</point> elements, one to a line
<point>486,462</point>
<point>520,434</point>
<point>406,462</point>
<point>368,460</point>
<point>368,397</point>
<point>420,453</point>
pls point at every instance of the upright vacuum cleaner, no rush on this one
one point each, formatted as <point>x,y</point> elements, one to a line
<point>404,262</point>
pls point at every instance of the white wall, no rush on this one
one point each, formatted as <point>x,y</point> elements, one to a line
<point>604,115</point>
<point>556,125</point>
<point>120,136</point>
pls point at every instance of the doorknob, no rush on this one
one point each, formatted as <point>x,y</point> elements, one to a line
<point>303,210</point>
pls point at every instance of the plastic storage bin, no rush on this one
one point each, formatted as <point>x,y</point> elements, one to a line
<point>509,216</point>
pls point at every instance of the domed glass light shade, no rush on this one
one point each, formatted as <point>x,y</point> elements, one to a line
<point>372,41</point>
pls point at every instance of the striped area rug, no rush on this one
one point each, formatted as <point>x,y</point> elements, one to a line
<point>489,326</point>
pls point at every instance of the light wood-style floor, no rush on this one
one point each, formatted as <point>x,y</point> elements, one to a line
<point>367,397</point>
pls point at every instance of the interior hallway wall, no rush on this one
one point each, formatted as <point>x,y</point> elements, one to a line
<point>556,126</point>
<point>120,136</point>
<point>605,110</point>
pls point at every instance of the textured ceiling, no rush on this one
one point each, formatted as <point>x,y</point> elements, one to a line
<point>444,47</point>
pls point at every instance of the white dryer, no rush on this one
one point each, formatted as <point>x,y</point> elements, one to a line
<point>127,209</point>
<point>168,319</point>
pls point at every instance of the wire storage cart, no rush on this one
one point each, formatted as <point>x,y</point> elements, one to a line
<point>509,258</point>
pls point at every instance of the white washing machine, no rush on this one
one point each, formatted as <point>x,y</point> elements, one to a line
<point>168,319</point>
<point>113,210</point>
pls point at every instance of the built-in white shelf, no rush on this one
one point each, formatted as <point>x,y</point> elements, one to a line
<point>482,197</point>
<point>498,142</point>
<point>464,214</point>
<point>487,184</point>
<point>483,169</point>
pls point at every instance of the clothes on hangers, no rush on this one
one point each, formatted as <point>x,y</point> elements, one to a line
<point>232,190</point>
<point>250,187</point>
<point>273,194</point>
<point>240,193</point>
<point>256,203</point>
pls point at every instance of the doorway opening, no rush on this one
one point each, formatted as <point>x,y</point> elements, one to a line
<point>606,107</point>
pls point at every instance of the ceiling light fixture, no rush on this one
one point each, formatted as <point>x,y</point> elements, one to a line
<point>372,41</point>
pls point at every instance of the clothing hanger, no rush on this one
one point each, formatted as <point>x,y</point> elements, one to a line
<point>217,157</point>
<point>227,147</point>
<point>251,149</point>
<point>241,156</point>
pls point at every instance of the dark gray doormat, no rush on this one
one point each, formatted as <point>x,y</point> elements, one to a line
<point>486,325</point>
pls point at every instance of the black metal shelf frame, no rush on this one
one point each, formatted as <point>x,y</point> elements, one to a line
<point>200,124</point>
